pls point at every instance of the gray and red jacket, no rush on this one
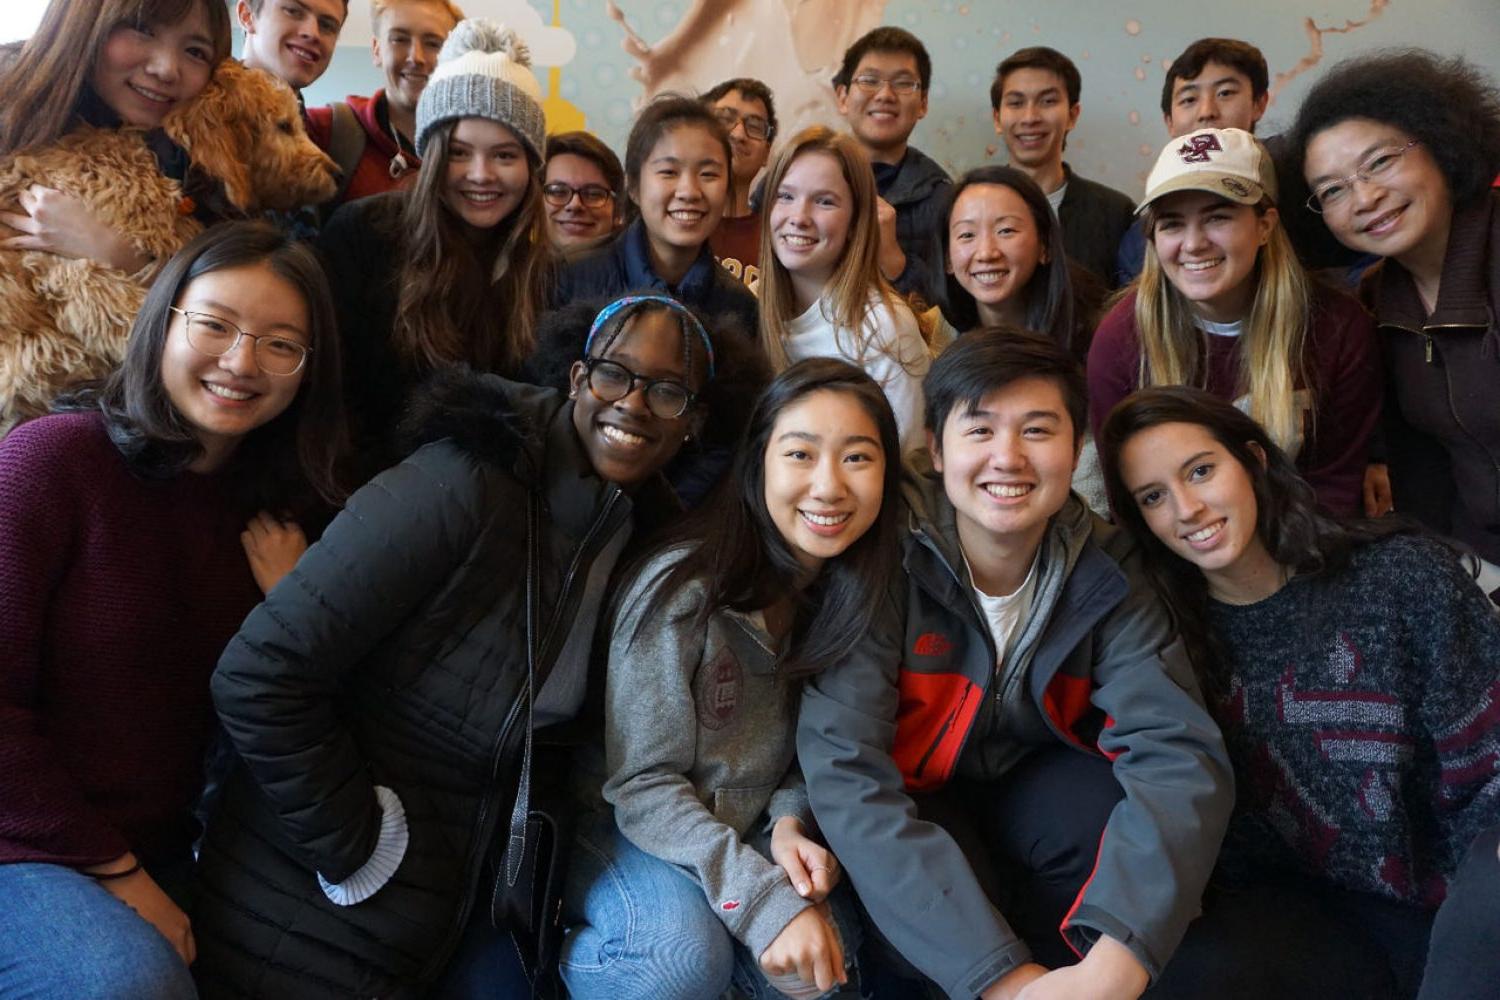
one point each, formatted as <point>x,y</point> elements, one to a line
<point>1096,666</point>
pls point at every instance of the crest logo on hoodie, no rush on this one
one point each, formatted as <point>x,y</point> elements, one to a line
<point>720,685</point>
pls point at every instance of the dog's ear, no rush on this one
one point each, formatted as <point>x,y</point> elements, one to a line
<point>216,129</point>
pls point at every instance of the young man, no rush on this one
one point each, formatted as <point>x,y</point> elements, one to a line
<point>583,186</point>
<point>882,93</point>
<point>1035,102</point>
<point>1027,694</point>
<point>292,39</point>
<point>371,138</point>
<point>748,111</point>
<point>1215,83</point>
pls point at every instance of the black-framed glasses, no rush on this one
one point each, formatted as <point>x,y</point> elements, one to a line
<point>611,382</point>
<point>871,83</point>
<point>1378,165</point>
<point>558,194</point>
<point>216,337</point>
<point>756,127</point>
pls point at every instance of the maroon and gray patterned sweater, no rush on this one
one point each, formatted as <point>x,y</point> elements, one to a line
<point>1363,718</point>
<point>117,595</point>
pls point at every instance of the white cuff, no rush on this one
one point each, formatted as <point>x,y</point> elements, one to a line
<point>390,848</point>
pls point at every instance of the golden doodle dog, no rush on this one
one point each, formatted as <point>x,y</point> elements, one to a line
<point>64,320</point>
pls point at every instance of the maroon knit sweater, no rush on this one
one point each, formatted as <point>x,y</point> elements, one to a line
<point>117,595</point>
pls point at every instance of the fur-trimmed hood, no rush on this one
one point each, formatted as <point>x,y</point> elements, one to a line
<point>485,415</point>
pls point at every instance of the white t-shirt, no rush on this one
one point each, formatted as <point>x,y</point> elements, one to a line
<point>895,355</point>
<point>1220,329</point>
<point>1004,614</point>
<point>1055,198</point>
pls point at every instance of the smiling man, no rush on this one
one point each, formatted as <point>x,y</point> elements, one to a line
<point>1017,772</point>
<point>291,39</point>
<point>1035,102</point>
<point>882,93</point>
<point>748,112</point>
<point>371,138</point>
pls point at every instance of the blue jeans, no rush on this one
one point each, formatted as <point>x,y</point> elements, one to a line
<point>63,935</point>
<point>640,927</point>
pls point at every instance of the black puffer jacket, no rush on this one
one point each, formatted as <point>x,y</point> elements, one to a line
<point>394,655</point>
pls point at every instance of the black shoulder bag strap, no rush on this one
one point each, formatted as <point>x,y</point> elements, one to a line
<point>515,849</point>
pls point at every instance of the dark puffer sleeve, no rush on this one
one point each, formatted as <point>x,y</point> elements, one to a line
<point>278,684</point>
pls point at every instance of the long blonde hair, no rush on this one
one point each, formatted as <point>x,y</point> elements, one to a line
<point>1272,357</point>
<point>457,304</point>
<point>45,80</point>
<point>858,270</point>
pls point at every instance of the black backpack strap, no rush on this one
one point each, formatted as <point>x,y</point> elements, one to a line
<point>346,145</point>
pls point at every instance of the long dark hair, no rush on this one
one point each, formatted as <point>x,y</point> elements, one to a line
<point>1287,520</point>
<point>49,74</point>
<point>1048,296</point>
<point>735,549</point>
<point>287,464</point>
<point>456,302</point>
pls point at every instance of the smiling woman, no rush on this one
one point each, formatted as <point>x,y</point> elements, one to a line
<point>179,470</point>
<point>1222,303</point>
<point>457,268</point>
<point>120,62</point>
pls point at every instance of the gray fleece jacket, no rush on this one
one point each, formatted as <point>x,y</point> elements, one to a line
<point>700,743</point>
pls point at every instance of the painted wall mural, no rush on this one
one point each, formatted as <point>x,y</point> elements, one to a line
<point>598,59</point>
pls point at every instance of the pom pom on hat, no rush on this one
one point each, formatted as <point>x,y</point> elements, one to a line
<point>484,71</point>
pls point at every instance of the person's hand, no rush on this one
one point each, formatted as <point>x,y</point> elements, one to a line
<point>1108,972</point>
<point>892,258</point>
<point>808,947</point>
<point>812,868</point>
<point>63,224</point>
<point>1378,499</point>
<point>140,892</point>
<point>1010,985</point>
<point>273,548</point>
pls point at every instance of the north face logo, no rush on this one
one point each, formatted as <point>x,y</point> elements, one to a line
<point>931,644</point>
<point>1196,149</point>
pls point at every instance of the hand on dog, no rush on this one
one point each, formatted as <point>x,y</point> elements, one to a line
<point>60,223</point>
<point>273,548</point>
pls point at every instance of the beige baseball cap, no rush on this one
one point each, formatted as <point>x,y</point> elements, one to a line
<point>1228,162</point>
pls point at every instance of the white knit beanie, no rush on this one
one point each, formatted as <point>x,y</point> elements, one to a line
<point>484,71</point>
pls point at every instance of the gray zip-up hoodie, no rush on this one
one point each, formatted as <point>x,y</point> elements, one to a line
<point>700,742</point>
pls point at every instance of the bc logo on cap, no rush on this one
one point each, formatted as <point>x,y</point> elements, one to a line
<point>1196,149</point>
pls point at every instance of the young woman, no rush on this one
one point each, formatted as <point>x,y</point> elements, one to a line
<point>822,294</point>
<point>1400,151</point>
<point>106,64</point>
<point>677,179</point>
<point>381,700</point>
<point>455,269</point>
<point>706,872</point>
<point>134,530</point>
<point>1222,303</point>
<point>1355,671</point>
<point>1007,265</point>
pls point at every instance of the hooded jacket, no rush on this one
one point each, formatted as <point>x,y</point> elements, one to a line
<point>394,655</point>
<point>1441,421</point>
<point>373,173</point>
<point>919,194</point>
<point>1095,666</point>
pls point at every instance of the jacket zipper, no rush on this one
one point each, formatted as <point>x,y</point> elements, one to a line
<point>947,725</point>
<point>497,750</point>
<point>1427,340</point>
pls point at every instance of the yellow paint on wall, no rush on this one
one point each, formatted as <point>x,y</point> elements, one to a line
<point>562,115</point>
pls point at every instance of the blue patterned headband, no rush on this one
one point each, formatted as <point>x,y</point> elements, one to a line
<point>614,308</point>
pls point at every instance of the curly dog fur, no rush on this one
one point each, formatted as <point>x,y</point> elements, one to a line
<point>64,320</point>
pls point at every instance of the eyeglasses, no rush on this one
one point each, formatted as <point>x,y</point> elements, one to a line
<point>558,194</point>
<point>208,334</point>
<point>871,83</point>
<point>611,382</point>
<point>1335,194</point>
<point>756,127</point>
